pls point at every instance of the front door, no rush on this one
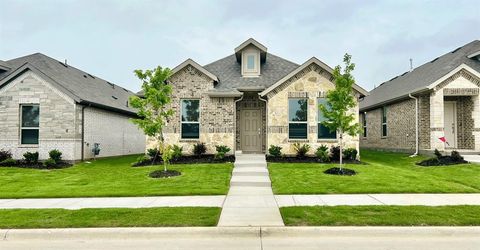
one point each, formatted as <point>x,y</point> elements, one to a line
<point>450,124</point>
<point>251,130</point>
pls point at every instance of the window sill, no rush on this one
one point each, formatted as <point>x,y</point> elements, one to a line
<point>327,140</point>
<point>189,140</point>
<point>384,137</point>
<point>28,146</point>
<point>298,140</point>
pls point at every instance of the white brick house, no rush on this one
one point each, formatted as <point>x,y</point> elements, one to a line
<point>46,104</point>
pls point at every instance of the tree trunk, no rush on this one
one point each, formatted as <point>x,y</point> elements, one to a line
<point>341,151</point>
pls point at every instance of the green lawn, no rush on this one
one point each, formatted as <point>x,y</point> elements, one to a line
<point>109,217</point>
<point>381,216</point>
<point>113,177</point>
<point>383,173</point>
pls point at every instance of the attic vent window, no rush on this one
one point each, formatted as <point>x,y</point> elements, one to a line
<point>251,62</point>
<point>114,97</point>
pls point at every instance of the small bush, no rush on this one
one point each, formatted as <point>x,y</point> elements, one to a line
<point>5,154</point>
<point>275,151</point>
<point>222,150</point>
<point>335,153</point>
<point>8,162</point>
<point>49,163</point>
<point>350,154</point>
<point>199,149</point>
<point>438,154</point>
<point>177,152</point>
<point>142,160</point>
<point>456,156</point>
<point>55,155</point>
<point>30,157</point>
<point>322,153</point>
<point>153,153</point>
<point>301,149</point>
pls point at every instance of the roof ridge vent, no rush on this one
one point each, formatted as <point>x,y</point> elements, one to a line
<point>406,72</point>
<point>111,84</point>
<point>455,50</point>
<point>91,76</point>
<point>434,60</point>
<point>63,64</point>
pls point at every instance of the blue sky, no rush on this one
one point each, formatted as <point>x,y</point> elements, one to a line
<point>112,38</point>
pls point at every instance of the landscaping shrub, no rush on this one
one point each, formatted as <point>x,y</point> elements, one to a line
<point>199,149</point>
<point>301,149</point>
<point>177,152</point>
<point>153,153</point>
<point>222,150</point>
<point>55,155</point>
<point>275,151</point>
<point>335,153</point>
<point>31,158</point>
<point>49,163</point>
<point>440,160</point>
<point>5,154</point>
<point>350,154</point>
<point>8,162</point>
<point>322,153</point>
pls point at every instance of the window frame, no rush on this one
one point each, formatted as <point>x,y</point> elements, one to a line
<point>255,68</point>
<point>384,122</point>
<point>190,122</point>
<point>319,124</point>
<point>298,122</point>
<point>364,124</point>
<point>22,128</point>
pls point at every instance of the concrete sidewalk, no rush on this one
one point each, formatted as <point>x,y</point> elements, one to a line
<point>250,200</point>
<point>115,202</point>
<point>378,199</point>
<point>347,238</point>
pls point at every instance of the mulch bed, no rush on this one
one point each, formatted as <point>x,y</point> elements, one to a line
<point>164,174</point>
<point>338,171</point>
<point>441,161</point>
<point>188,159</point>
<point>293,159</point>
<point>38,165</point>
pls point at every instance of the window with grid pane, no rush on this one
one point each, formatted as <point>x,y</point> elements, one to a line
<point>190,120</point>
<point>324,132</point>
<point>30,123</point>
<point>297,117</point>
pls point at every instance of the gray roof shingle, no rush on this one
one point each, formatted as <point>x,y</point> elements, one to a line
<point>81,86</point>
<point>422,76</point>
<point>229,73</point>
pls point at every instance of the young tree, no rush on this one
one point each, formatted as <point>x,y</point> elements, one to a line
<point>153,110</point>
<point>339,102</point>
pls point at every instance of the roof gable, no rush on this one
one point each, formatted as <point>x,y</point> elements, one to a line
<point>311,64</point>
<point>196,66</point>
<point>255,43</point>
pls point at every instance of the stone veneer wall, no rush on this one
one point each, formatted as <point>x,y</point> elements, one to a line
<point>250,100</point>
<point>400,127</point>
<point>312,83</point>
<point>217,115</point>
<point>57,117</point>
<point>116,134</point>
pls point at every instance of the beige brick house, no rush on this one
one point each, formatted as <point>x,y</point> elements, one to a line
<point>46,104</point>
<point>439,99</point>
<point>250,100</point>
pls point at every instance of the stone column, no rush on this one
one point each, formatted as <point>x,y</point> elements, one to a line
<point>436,120</point>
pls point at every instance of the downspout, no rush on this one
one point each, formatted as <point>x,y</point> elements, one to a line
<point>266,122</point>
<point>416,124</point>
<point>235,124</point>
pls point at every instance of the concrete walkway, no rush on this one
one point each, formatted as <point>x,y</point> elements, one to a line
<point>223,238</point>
<point>378,199</point>
<point>472,158</point>
<point>116,202</point>
<point>250,200</point>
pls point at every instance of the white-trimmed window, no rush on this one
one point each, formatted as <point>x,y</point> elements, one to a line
<point>364,124</point>
<point>384,121</point>
<point>29,124</point>
<point>297,118</point>
<point>322,131</point>
<point>190,119</point>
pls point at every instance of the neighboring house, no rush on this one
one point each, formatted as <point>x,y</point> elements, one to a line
<point>438,99</point>
<point>250,100</point>
<point>46,104</point>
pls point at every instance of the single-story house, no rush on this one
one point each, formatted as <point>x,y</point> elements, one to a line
<point>46,104</point>
<point>250,100</point>
<point>434,106</point>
